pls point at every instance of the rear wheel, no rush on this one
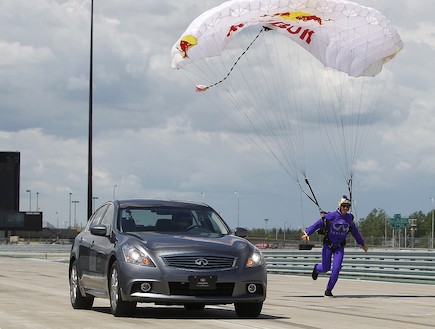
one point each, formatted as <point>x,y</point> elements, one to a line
<point>194,306</point>
<point>118,307</point>
<point>248,310</point>
<point>77,300</point>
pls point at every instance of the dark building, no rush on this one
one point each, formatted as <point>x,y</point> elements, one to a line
<point>10,216</point>
<point>10,181</point>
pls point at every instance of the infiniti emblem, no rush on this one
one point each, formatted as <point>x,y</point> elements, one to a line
<point>201,262</point>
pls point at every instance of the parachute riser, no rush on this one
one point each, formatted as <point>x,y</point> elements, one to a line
<point>313,196</point>
<point>349,187</point>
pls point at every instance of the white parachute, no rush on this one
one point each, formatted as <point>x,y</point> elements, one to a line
<point>285,65</point>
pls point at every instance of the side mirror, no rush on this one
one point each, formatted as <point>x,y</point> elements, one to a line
<point>241,232</point>
<point>99,230</point>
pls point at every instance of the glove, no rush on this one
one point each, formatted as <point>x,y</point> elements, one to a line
<point>305,236</point>
<point>365,248</point>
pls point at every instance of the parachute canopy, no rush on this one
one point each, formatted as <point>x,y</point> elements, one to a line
<point>289,70</point>
<point>342,35</point>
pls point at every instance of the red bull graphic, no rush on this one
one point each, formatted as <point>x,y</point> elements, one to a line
<point>186,43</point>
<point>234,28</point>
<point>299,16</point>
<point>305,34</point>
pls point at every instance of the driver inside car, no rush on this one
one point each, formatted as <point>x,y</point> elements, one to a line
<point>182,222</point>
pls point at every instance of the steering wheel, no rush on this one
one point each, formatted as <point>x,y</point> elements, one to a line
<point>197,227</point>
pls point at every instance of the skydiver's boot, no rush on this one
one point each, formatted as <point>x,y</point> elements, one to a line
<point>314,274</point>
<point>328,293</point>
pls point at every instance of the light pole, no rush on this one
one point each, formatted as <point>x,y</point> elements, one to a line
<point>285,227</point>
<point>69,222</point>
<point>93,203</point>
<point>37,201</point>
<point>385,226</point>
<point>238,208</point>
<point>30,199</point>
<point>75,218</point>
<point>114,188</point>
<point>432,225</point>
<point>91,48</point>
<point>266,220</point>
<point>385,242</point>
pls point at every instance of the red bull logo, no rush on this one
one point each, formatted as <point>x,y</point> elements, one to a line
<point>234,28</point>
<point>299,16</point>
<point>305,34</point>
<point>187,42</point>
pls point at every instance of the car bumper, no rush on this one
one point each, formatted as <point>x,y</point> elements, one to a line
<point>173,287</point>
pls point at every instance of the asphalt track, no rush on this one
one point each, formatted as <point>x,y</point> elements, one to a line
<point>34,294</point>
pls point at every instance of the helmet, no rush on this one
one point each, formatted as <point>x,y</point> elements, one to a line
<point>344,200</point>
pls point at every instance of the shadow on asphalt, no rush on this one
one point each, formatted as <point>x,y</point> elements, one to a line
<point>366,296</point>
<point>180,313</point>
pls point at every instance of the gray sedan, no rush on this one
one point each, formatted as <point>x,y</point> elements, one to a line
<point>167,253</point>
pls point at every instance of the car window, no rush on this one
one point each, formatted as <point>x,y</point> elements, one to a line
<point>96,217</point>
<point>202,220</point>
<point>107,219</point>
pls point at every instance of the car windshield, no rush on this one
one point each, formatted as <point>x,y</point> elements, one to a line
<point>195,221</point>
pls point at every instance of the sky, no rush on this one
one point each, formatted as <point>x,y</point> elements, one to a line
<point>154,137</point>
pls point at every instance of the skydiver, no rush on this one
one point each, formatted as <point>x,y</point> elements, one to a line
<point>337,226</point>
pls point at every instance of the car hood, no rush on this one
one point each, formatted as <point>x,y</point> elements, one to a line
<point>163,243</point>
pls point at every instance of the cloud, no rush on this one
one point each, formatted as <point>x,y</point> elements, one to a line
<point>155,137</point>
<point>15,54</point>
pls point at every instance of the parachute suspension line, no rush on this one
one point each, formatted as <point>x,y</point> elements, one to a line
<point>312,197</point>
<point>349,187</point>
<point>235,63</point>
<point>268,147</point>
<point>302,213</point>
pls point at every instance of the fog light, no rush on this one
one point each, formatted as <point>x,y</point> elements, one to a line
<point>145,287</point>
<point>252,288</point>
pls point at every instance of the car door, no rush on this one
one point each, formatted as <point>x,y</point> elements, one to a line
<point>86,258</point>
<point>101,249</point>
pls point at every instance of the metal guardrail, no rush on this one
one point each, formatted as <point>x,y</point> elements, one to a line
<point>394,265</point>
<point>35,248</point>
<point>389,265</point>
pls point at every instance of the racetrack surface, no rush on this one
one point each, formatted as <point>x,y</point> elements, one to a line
<point>34,294</point>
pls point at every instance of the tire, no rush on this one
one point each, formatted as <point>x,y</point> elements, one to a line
<point>76,298</point>
<point>248,310</point>
<point>118,307</point>
<point>194,306</point>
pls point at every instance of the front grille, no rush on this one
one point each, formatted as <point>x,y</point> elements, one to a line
<point>200,262</point>
<point>182,288</point>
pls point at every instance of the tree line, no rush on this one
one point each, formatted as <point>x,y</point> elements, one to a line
<point>376,229</point>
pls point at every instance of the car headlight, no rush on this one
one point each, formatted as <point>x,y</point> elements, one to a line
<point>256,259</point>
<point>133,255</point>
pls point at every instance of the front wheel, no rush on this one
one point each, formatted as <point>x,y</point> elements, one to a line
<point>248,310</point>
<point>76,298</point>
<point>118,307</point>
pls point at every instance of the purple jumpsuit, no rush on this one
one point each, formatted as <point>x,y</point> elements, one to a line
<point>338,226</point>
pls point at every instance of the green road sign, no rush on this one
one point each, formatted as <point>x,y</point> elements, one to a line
<point>398,222</point>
